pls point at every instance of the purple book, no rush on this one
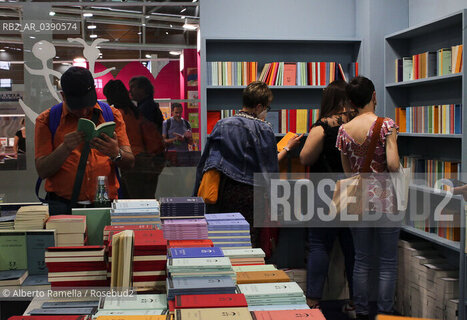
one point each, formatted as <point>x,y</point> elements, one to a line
<point>224,216</point>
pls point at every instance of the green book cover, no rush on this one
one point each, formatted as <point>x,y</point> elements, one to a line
<point>90,130</point>
<point>13,254</point>
<point>430,119</point>
<point>96,220</point>
<point>37,243</point>
<point>447,62</point>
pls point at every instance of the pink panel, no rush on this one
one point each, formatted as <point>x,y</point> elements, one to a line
<point>101,81</point>
<point>166,85</point>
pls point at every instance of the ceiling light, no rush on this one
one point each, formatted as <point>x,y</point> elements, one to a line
<point>66,64</point>
<point>166,32</point>
<point>79,60</point>
<point>92,26</point>
<point>2,50</point>
<point>182,17</point>
<point>171,26</point>
<point>188,26</point>
<point>147,17</point>
<point>51,13</point>
<point>32,37</point>
<point>175,53</point>
<point>93,36</point>
<point>143,24</point>
<point>87,15</point>
<point>140,32</point>
<point>56,57</point>
<point>195,0</point>
<point>183,10</point>
<point>148,56</point>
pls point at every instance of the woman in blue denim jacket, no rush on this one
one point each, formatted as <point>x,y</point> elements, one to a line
<point>239,147</point>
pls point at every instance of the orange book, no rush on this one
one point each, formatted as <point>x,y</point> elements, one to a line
<point>436,119</point>
<point>244,73</point>
<point>459,58</point>
<point>290,74</point>
<point>283,142</point>
<point>229,73</point>
<point>262,277</point>
<point>271,73</point>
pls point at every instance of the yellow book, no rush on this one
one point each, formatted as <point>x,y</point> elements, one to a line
<point>302,117</point>
<point>283,142</point>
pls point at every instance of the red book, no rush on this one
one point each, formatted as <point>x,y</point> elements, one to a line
<point>210,301</point>
<point>149,240</point>
<point>149,278</point>
<point>292,115</point>
<point>213,117</point>
<point>72,249</point>
<point>310,74</point>
<point>310,314</point>
<point>75,266</point>
<point>190,243</point>
<point>290,74</point>
<point>73,284</point>
<point>322,67</point>
<point>451,118</point>
<point>171,304</point>
<point>74,317</point>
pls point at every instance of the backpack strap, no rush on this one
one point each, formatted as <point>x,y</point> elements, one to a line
<point>169,122</point>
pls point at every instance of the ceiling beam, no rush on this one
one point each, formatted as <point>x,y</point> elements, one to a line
<point>110,4</point>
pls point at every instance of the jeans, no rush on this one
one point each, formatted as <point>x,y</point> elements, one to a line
<point>320,243</point>
<point>384,243</point>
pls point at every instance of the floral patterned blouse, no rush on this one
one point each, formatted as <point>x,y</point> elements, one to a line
<point>380,187</point>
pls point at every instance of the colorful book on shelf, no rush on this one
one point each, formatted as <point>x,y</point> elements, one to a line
<point>442,119</point>
<point>231,73</point>
<point>210,301</point>
<point>311,314</point>
<point>212,118</point>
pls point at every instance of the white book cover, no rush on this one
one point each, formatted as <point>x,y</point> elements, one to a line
<point>275,289</point>
<point>244,253</point>
<point>136,302</point>
<point>199,262</point>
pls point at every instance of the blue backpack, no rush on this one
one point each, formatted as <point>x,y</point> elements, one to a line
<point>54,121</point>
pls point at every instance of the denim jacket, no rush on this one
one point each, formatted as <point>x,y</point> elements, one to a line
<point>239,147</point>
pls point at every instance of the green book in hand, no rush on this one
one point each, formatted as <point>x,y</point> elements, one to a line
<point>91,131</point>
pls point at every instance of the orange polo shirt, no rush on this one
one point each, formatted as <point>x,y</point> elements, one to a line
<point>142,134</point>
<point>98,164</point>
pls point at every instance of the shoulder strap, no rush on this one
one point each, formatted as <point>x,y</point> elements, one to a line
<point>373,142</point>
<point>169,122</point>
<point>187,124</point>
<point>106,111</point>
<point>54,118</point>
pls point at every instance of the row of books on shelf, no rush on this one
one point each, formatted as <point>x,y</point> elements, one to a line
<point>439,119</point>
<point>282,121</point>
<point>227,73</point>
<point>429,64</point>
<point>432,170</point>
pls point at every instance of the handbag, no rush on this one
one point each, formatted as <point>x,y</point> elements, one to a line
<point>401,181</point>
<point>348,194</point>
<point>209,187</point>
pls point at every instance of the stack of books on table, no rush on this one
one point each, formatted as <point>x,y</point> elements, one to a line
<point>31,217</point>
<point>200,267</point>
<point>149,258</point>
<point>228,230</point>
<point>203,243</point>
<point>76,266</point>
<point>182,208</point>
<point>199,285</point>
<point>115,229</point>
<point>70,230</point>
<point>135,212</point>
<point>277,293</point>
<point>185,229</point>
<point>13,277</point>
<point>259,267</point>
<point>249,256</point>
<point>64,308</point>
<point>136,305</point>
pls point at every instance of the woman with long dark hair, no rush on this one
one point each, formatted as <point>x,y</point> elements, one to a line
<point>321,154</point>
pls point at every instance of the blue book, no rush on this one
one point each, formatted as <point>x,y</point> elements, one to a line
<point>36,244</point>
<point>224,245</point>
<point>62,311</point>
<point>273,118</point>
<point>195,252</point>
<point>36,280</point>
<point>228,225</point>
<point>224,216</point>
<point>209,78</point>
<point>458,119</point>
<point>200,283</point>
<point>70,304</point>
<point>229,233</point>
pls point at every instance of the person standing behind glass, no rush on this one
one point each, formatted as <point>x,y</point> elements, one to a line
<point>142,91</point>
<point>20,140</point>
<point>321,153</point>
<point>353,141</point>
<point>176,130</point>
<point>139,182</point>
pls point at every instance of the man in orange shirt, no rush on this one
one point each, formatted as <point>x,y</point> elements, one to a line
<point>58,154</point>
